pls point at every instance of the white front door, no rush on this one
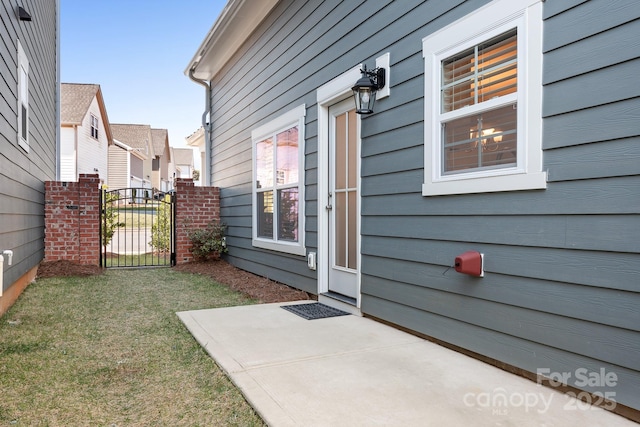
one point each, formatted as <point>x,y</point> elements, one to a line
<point>343,199</point>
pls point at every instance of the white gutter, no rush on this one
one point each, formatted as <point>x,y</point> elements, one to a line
<point>9,255</point>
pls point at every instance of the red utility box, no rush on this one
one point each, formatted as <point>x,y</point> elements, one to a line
<point>470,262</point>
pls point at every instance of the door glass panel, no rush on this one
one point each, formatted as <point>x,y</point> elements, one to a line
<point>352,150</point>
<point>340,230</point>
<point>341,150</point>
<point>352,230</point>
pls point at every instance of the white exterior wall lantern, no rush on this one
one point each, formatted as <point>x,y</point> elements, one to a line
<point>366,88</point>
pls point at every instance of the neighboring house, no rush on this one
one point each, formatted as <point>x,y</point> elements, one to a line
<point>196,140</point>
<point>139,143</point>
<point>507,127</point>
<point>182,162</point>
<point>29,108</point>
<point>85,134</point>
<point>123,161</point>
<point>160,163</point>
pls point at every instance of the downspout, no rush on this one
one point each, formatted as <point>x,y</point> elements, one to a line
<point>9,255</point>
<point>206,125</point>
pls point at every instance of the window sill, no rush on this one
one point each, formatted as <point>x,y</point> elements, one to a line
<point>290,248</point>
<point>491,184</point>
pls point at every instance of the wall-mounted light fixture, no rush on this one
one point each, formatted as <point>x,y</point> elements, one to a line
<point>365,89</point>
<point>23,14</point>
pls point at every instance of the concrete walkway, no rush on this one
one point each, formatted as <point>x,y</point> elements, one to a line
<point>353,371</point>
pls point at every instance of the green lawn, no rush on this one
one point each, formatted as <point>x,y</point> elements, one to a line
<point>136,217</point>
<point>110,351</point>
<point>138,260</point>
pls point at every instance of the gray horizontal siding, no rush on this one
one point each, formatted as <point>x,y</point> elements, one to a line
<point>601,123</point>
<point>593,53</point>
<point>609,233</point>
<point>618,195</point>
<point>23,174</point>
<point>619,157</point>
<point>586,19</point>
<point>546,296</point>
<point>592,339</point>
<point>562,264</point>
<point>519,352</point>
<point>589,268</point>
<point>568,95</point>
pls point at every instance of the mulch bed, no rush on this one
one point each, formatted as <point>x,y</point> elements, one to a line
<point>256,287</point>
<point>260,288</point>
<point>67,269</point>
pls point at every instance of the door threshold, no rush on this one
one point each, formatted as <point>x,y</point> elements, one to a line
<point>339,301</point>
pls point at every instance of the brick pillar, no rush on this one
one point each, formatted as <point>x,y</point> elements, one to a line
<point>195,208</point>
<point>72,220</point>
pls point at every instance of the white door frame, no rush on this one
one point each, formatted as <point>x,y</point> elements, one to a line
<point>327,95</point>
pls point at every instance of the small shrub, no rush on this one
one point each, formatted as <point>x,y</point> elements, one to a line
<point>161,228</point>
<point>110,217</point>
<point>208,242</point>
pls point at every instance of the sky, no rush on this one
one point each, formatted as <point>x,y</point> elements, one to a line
<point>137,51</point>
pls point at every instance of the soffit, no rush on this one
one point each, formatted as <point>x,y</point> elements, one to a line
<point>237,21</point>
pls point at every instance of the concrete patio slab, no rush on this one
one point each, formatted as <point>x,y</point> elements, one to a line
<point>353,371</point>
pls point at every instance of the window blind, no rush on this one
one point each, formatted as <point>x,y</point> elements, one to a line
<point>485,71</point>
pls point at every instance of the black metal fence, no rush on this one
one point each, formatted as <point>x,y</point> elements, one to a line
<point>137,228</point>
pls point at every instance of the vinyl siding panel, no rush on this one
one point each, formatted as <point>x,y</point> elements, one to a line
<point>93,153</point>
<point>561,288</point>
<point>23,174</point>
<point>119,175</point>
<point>68,154</point>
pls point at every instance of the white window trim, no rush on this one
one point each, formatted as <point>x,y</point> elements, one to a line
<point>97,126</point>
<point>294,117</point>
<point>491,20</point>
<point>23,63</point>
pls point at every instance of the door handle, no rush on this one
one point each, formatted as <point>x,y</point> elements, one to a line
<point>329,206</point>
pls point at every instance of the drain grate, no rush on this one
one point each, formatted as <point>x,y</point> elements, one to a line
<point>314,311</point>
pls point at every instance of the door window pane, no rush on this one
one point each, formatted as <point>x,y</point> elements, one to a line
<point>352,230</point>
<point>341,152</point>
<point>340,230</point>
<point>352,151</point>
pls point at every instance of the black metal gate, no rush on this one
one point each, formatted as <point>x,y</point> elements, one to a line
<point>137,228</point>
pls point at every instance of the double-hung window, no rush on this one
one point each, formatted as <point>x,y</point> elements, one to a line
<point>278,183</point>
<point>23,99</point>
<point>483,98</point>
<point>94,127</point>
